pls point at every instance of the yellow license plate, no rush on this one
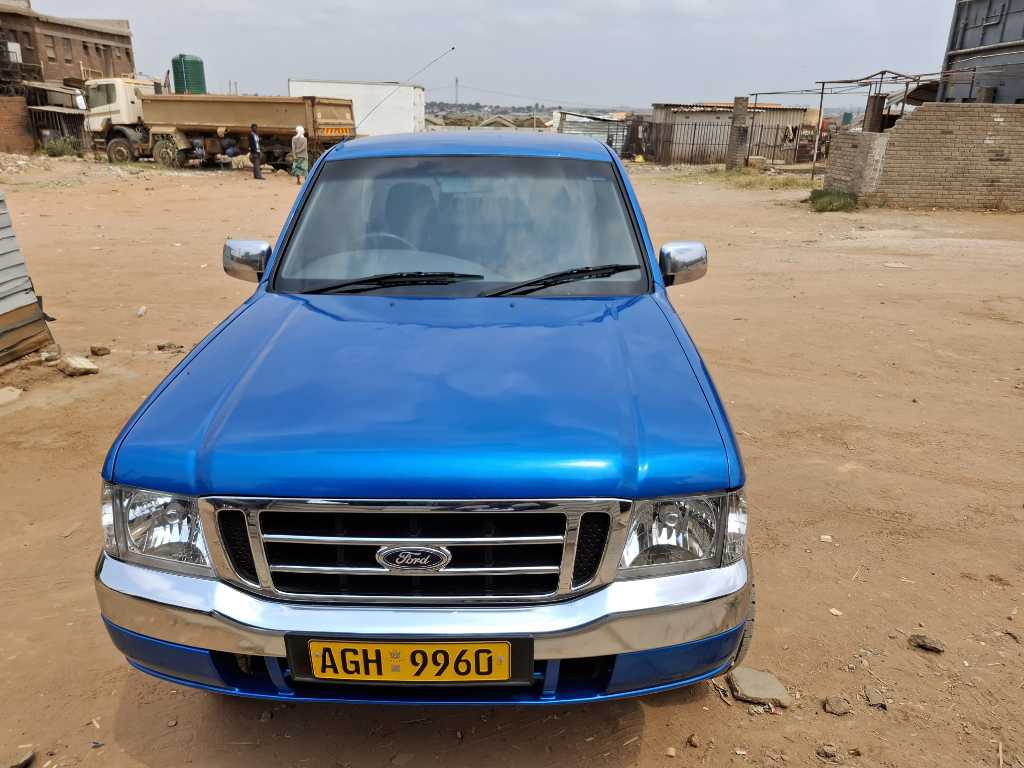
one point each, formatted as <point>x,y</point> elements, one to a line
<point>410,662</point>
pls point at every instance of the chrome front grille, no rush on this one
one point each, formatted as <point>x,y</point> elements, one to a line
<point>326,550</point>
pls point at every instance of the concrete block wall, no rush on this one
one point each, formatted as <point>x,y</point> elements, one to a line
<point>855,162</point>
<point>939,156</point>
<point>15,131</point>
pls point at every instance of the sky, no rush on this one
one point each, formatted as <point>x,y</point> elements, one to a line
<point>598,53</point>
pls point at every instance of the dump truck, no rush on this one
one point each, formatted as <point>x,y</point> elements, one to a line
<point>131,119</point>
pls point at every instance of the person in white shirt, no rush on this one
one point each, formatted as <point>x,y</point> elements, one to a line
<point>300,154</point>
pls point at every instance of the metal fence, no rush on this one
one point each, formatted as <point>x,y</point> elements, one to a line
<point>59,124</point>
<point>778,143</point>
<point>706,142</point>
<point>692,142</point>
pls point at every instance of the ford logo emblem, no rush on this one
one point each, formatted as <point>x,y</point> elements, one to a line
<point>414,558</point>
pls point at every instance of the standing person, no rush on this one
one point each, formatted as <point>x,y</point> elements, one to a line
<point>300,154</point>
<point>254,151</point>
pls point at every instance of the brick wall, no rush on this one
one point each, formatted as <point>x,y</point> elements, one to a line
<point>855,162</point>
<point>15,133</point>
<point>939,156</point>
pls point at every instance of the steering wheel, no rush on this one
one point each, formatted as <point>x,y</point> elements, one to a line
<point>388,236</point>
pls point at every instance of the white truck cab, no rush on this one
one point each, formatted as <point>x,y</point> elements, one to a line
<point>115,113</point>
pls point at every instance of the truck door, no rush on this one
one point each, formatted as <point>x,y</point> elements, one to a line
<point>101,99</point>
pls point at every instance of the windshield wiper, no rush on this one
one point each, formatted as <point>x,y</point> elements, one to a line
<point>565,276</point>
<point>389,279</point>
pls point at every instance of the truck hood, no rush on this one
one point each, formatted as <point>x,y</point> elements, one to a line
<point>420,398</point>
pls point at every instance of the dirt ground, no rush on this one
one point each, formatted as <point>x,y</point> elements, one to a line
<point>873,367</point>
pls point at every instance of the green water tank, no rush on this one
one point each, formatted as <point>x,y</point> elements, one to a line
<point>189,74</point>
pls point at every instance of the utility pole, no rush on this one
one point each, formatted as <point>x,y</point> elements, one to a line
<point>456,91</point>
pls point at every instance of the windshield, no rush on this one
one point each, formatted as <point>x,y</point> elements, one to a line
<point>504,219</point>
<point>101,95</point>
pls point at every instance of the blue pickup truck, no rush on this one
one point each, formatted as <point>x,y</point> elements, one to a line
<point>456,448</point>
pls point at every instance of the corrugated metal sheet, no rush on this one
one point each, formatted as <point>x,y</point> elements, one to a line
<point>610,132</point>
<point>22,327</point>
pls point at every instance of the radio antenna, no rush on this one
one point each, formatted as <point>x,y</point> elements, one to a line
<point>393,91</point>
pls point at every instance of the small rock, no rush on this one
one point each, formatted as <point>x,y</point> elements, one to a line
<point>828,752</point>
<point>141,312</point>
<point>24,761</point>
<point>670,752</point>
<point>74,365</point>
<point>97,350</point>
<point>835,611</point>
<point>740,752</point>
<point>837,705</point>
<point>756,687</point>
<point>50,353</point>
<point>171,723</point>
<point>826,539</point>
<point>96,744</point>
<point>875,698</point>
<point>266,715</point>
<point>9,395</point>
<point>926,643</point>
<point>692,741</point>
<point>169,346</point>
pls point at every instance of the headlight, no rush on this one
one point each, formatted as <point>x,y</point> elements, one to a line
<point>685,534</point>
<point>162,530</point>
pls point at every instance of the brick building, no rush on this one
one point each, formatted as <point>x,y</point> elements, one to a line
<point>54,48</point>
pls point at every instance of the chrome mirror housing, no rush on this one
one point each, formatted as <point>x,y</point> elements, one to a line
<point>246,259</point>
<point>683,262</point>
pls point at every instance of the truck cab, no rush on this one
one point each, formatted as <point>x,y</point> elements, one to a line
<point>115,114</point>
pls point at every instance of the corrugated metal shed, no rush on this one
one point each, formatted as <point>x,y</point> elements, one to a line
<point>22,326</point>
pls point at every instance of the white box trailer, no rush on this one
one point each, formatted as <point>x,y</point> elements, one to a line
<point>401,112</point>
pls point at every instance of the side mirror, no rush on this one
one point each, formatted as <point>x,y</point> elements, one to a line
<point>246,259</point>
<point>683,262</point>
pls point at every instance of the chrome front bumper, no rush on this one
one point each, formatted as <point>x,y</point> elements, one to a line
<point>623,617</point>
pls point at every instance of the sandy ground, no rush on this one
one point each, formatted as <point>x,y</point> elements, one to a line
<point>873,366</point>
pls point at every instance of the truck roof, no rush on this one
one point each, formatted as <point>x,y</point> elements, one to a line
<point>508,144</point>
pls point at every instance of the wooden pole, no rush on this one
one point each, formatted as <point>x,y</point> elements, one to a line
<point>817,135</point>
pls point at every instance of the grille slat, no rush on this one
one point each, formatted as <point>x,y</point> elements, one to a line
<point>384,541</point>
<point>468,587</point>
<point>341,569</point>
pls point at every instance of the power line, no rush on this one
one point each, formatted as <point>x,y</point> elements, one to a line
<point>393,91</point>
